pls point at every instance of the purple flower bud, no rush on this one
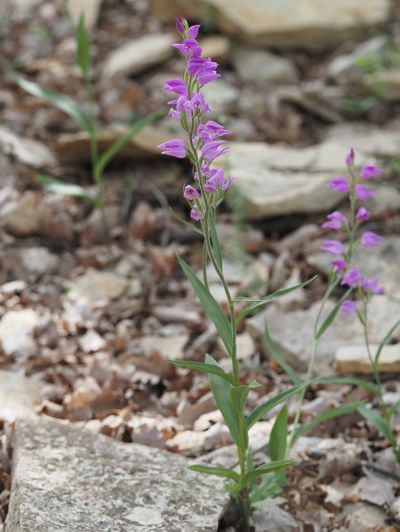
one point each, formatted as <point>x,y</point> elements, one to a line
<point>180,25</point>
<point>370,240</point>
<point>333,247</point>
<point>335,220</point>
<point>174,147</point>
<point>362,214</point>
<point>339,184</point>
<point>195,213</point>
<point>372,285</point>
<point>350,157</point>
<point>190,193</point>
<point>211,130</point>
<point>193,31</point>
<point>213,149</point>
<point>175,85</point>
<point>348,306</point>
<point>339,265</point>
<point>352,278</point>
<point>363,192</point>
<point>369,170</point>
<point>189,48</point>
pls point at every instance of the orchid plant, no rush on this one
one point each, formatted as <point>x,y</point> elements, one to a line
<point>203,143</point>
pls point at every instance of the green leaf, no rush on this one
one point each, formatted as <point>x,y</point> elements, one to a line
<point>332,315</point>
<point>332,413</point>
<point>278,437</point>
<point>83,46</point>
<point>259,303</point>
<point>385,340</point>
<point>354,381</point>
<point>217,471</point>
<point>379,422</point>
<point>263,409</point>
<point>210,305</point>
<point>200,366</point>
<point>269,486</point>
<point>279,358</point>
<point>120,143</point>
<point>238,398</point>
<point>215,241</point>
<point>58,100</point>
<point>221,390</point>
<point>185,222</point>
<point>64,188</point>
<point>263,470</point>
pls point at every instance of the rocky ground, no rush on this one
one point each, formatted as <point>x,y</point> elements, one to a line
<point>86,326</point>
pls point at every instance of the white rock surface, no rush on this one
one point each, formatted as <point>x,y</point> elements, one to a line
<point>168,346</point>
<point>18,396</point>
<point>354,359</point>
<point>16,332</point>
<point>70,479</point>
<point>283,23</point>
<point>97,286</point>
<point>366,138</point>
<point>260,66</point>
<point>138,55</point>
<point>27,151</point>
<point>90,9</point>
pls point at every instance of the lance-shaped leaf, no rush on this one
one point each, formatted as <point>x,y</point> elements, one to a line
<point>65,188</point>
<point>332,413</point>
<point>258,304</point>
<point>217,471</point>
<point>384,341</point>
<point>332,315</point>
<point>216,246</point>
<point>58,100</point>
<point>175,215</point>
<point>238,397</point>
<point>263,470</point>
<point>263,409</point>
<point>210,305</point>
<point>353,381</point>
<point>205,368</point>
<point>278,437</point>
<point>379,423</point>
<point>82,46</point>
<point>221,390</point>
<point>279,358</point>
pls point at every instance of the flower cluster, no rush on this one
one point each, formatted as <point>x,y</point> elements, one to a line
<point>203,143</point>
<point>353,185</point>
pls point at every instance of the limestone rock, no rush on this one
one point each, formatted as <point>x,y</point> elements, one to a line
<point>221,96</point>
<point>283,24</point>
<point>354,359</point>
<point>27,151</point>
<point>16,332</point>
<point>75,147</point>
<point>292,331</point>
<point>138,55</point>
<point>277,180</point>
<point>369,139</point>
<point>216,46</point>
<point>91,341</point>
<point>71,479</point>
<point>260,66</point>
<point>90,9</point>
<point>18,396</point>
<point>168,346</point>
<point>96,286</point>
<point>39,260</point>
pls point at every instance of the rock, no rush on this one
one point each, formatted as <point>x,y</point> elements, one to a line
<point>260,66</point>
<point>97,286</point>
<point>16,332</point>
<point>367,138</point>
<point>344,67</point>
<point>216,46</point>
<point>90,9</point>
<point>278,180</point>
<point>363,516</point>
<point>292,331</point>
<point>395,509</point>
<point>138,55</point>
<point>91,341</point>
<point>373,489</point>
<point>221,96</point>
<point>72,470</point>
<point>285,24</point>
<point>75,147</point>
<point>354,359</point>
<point>188,413</point>
<point>167,346</point>
<point>18,396</point>
<point>386,84</point>
<point>274,519</point>
<point>386,199</point>
<point>245,346</point>
<point>39,260</point>
<point>27,151</point>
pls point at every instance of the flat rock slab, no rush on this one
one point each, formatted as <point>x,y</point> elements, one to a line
<point>354,359</point>
<point>18,396</point>
<point>71,480</point>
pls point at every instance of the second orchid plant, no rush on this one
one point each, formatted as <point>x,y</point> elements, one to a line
<point>202,143</point>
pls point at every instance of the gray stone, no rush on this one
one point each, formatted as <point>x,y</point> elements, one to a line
<point>168,346</point>
<point>97,286</point>
<point>367,138</point>
<point>69,479</point>
<point>216,46</point>
<point>18,396</point>
<point>90,9</point>
<point>277,180</point>
<point>260,66</point>
<point>27,151</point>
<point>138,55</point>
<point>39,260</point>
<point>292,332</point>
<point>355,359</point>
<point>283,23</point>
<point>16,332</point>
<point>221,96</point>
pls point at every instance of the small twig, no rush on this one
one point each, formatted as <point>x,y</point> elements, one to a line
<point>379,469</point>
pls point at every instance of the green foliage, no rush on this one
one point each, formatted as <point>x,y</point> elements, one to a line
<point>278,437</point>
<point>82,47</point>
